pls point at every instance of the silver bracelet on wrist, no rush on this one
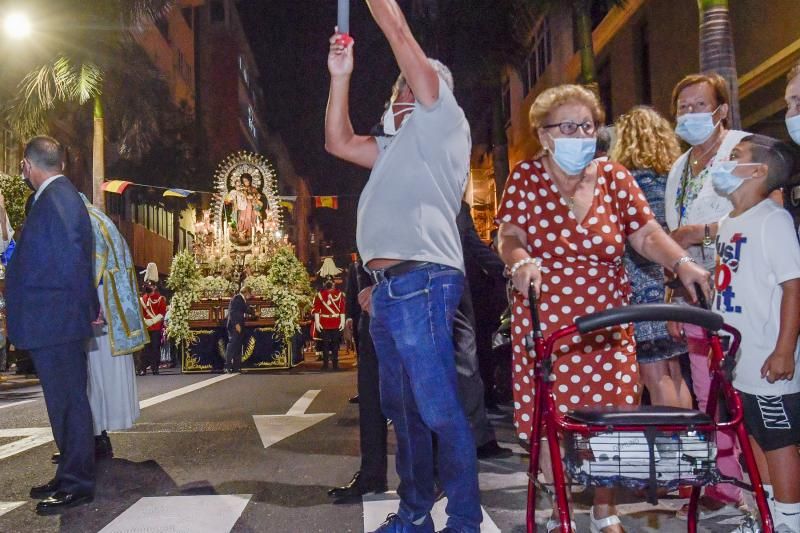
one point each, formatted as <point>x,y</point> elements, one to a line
<point>522,262</point>
<point>682,260</point>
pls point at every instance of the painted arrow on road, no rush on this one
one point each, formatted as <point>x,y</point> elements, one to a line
<point>275,428</point>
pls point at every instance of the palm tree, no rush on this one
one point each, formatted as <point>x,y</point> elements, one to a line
<point>84,44</point>
<point>716,49</point>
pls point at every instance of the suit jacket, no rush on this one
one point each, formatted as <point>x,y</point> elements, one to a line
<point>237,310</point>
<point>50,292</point>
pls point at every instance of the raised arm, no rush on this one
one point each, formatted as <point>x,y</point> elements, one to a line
<point>417,71</point>
<point>340,139</point>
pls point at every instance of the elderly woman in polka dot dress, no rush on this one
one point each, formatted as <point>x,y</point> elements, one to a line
<point>564,222</point>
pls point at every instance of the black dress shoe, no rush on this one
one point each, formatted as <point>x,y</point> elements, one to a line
<point>102,446</point>
<point>492,450</point>
<point>43,491</point>
<point>62,500</point>
<point>55,458</point>
<point>353,399</point>
<point>357,488</point>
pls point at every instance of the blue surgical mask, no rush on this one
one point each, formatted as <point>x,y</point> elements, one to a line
<point>793,125</point>
<point>696,128</point>
<point>573,154</point>
<point>723,180</point>
<point>389,128</point>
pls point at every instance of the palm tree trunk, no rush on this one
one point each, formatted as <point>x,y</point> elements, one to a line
<point>98,156</point>
<point>583,25</point>
<point>716,49</point>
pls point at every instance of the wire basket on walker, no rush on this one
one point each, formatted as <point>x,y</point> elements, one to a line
<point>644,447</point>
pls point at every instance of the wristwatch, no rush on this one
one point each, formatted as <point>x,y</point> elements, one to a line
<point>707,240</point>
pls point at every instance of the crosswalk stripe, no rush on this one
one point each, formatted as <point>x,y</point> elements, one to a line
<point>377,506</point>
<point>7,507</point>
<point>187,514</point>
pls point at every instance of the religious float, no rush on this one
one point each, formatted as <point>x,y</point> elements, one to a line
<point>239,241</point>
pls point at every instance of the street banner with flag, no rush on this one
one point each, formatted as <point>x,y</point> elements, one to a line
<point>331,202</point>
<point>116,186</point>
<point>176,193</point>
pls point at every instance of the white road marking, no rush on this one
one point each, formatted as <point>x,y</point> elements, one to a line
<point>31,437</point>
<point>187,514</point>
<point>34,437</point>
<point>7,507</point>
<point>301,405</point>
<point>184,390</point>
<point>16,403</point>
<point>377,506</point>
<point>275,428</point>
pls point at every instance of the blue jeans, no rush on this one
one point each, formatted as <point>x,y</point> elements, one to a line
<point>412,329</point>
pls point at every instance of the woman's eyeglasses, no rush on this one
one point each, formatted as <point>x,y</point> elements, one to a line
<point>569,127</point>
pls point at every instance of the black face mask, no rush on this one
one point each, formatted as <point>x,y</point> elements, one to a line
<point>29,184</point>
<point>329,286</point>
<point>148,289</point>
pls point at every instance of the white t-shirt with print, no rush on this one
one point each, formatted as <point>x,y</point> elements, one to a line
<point>756,252</point>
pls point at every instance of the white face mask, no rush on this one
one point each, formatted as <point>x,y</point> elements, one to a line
<point>723,180</point>
<point>696,128</point>
<point>389,128</point>
<point>573,154</point>
<point>793,125</point>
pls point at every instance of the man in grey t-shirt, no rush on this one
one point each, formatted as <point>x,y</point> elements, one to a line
<point>408,239</point>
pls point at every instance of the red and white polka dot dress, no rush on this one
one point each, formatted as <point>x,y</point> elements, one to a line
<point>582,272</point>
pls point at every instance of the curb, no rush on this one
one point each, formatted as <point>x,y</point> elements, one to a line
<point>17,383</point>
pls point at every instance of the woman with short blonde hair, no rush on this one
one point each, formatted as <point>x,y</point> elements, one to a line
<point>564,221</point>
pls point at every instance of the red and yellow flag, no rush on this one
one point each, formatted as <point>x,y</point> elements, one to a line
<point>116,186</point>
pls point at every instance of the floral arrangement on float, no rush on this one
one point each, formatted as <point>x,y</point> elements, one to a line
<point>185,282</point>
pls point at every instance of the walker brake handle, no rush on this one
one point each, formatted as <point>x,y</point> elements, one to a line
<point>533,304</point>
<point>701,297</point>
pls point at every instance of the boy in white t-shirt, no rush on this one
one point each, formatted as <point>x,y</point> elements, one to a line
<point>757,281</point>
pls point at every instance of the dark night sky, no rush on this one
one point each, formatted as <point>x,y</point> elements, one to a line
<point>290,42</point>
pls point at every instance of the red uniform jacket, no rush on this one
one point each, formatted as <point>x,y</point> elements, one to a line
<point>153,304</point>
<point>329,305</point>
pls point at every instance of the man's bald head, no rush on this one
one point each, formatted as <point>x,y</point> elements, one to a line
<point>46,153</point>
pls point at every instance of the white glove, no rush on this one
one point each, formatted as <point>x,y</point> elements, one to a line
<point>342,320</point>
<point>155,320</point>
<point>317,323</point>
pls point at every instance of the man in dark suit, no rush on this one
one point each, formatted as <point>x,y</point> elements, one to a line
<point>51,304</point>
<point>371,476</point>
<point>237,310</point>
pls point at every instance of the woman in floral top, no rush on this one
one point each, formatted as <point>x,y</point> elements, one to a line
<point>564,222</point>
<point>647,146</point>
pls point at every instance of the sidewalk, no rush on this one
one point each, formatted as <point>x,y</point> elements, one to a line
<point>9,381</point>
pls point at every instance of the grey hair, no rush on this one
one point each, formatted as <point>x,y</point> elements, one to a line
<point>441,70</point>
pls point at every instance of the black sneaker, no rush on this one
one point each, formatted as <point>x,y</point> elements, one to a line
<point>492,450</point>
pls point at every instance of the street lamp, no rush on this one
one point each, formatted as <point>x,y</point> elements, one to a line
<point>17,25</point>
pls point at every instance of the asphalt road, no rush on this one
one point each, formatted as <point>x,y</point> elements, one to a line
<point>196,462</point>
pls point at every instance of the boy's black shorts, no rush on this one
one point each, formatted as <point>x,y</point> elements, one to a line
<point>773,421</point>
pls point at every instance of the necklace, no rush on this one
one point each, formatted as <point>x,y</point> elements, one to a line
<point>697,159</point>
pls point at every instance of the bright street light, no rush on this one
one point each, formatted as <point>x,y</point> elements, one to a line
<point>17,25</point>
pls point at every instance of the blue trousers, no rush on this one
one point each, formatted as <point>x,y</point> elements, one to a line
<point>412,329</point>
<point>62,371</point>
